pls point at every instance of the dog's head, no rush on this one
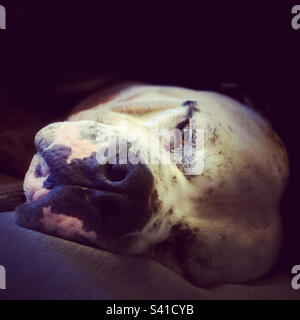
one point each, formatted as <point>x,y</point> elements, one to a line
<point>120,181</point>
<point>127,175</point>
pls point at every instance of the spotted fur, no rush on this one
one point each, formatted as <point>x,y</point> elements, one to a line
<point>220,226</point>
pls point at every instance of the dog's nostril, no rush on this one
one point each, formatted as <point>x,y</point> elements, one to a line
<point>115,172</point>
<point>122,197</point>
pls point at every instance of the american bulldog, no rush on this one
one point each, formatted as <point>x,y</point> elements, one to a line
<point>218,223</point>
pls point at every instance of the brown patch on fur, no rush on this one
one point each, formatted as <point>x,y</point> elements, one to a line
<point>190,177</point>
<point>170,211</point>
<point>155,202</point>
<point>208,177</point>
<point>156,225</point>
<point>134,111</point>
<point>214,137</point>
<point>183,233</point>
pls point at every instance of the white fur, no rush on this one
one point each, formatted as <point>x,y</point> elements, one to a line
<point>234,203</point>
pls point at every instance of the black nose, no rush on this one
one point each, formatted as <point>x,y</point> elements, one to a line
<point>112,198</point>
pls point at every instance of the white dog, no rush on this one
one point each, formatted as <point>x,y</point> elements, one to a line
<point>219,225</point>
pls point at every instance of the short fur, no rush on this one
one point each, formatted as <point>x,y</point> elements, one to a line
<point>220,226</point>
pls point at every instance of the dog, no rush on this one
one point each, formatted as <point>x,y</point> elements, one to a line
<point>219,225</point>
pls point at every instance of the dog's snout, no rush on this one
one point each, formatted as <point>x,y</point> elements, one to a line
<point>118,193</point>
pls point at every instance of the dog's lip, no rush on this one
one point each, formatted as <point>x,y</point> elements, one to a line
<point>48,199</point>
<point>41,193</point>
<point>43,198</point>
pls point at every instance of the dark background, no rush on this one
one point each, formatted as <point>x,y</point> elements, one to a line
<point>50,43</point>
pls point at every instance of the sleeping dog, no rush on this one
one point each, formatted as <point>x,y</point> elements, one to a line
<point>218,223</point>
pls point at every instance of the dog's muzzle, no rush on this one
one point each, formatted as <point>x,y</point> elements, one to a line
<point>107,198</point>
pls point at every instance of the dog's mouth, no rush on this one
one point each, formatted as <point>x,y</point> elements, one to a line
<point>101,211</point>
<point>67,211</point>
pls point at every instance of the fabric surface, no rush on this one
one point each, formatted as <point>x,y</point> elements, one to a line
<point>39,266</point>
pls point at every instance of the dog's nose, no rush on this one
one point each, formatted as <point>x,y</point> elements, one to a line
<point>122,197</point>
<point>113,198</point>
